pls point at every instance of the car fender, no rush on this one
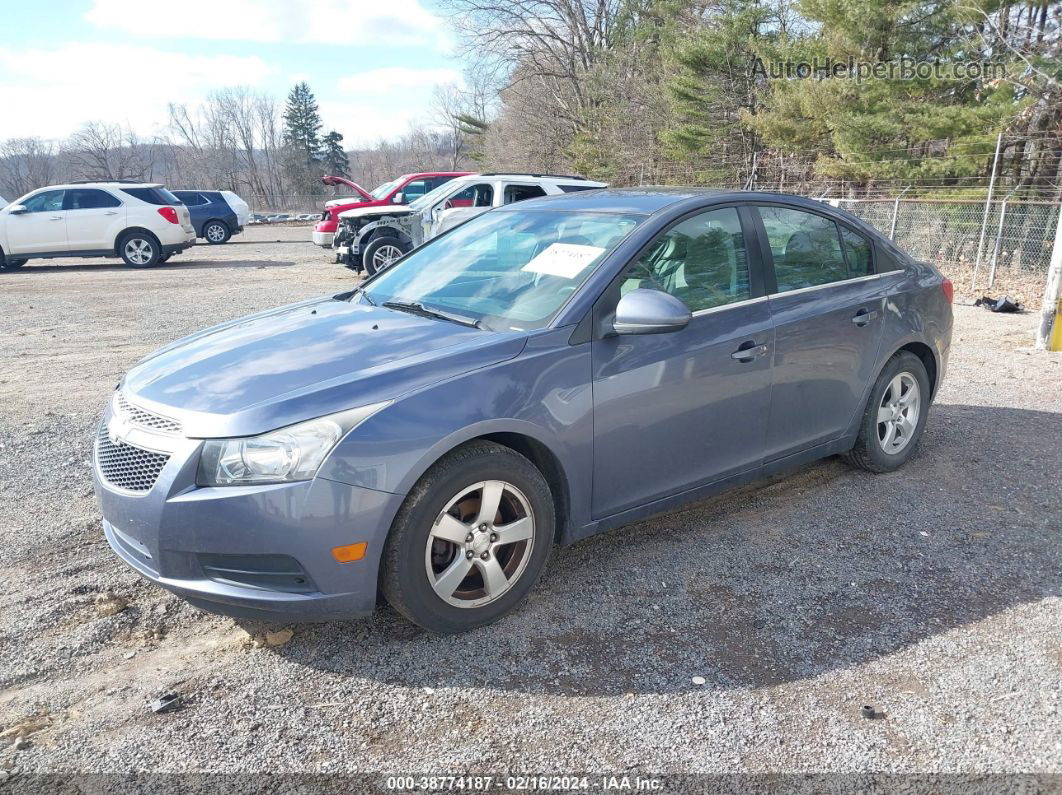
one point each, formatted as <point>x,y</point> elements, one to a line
<point>378,228</point>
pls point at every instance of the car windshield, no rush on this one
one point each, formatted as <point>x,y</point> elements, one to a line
<point>432,196</point>
<point>381,191</point>
<point>510,269</point>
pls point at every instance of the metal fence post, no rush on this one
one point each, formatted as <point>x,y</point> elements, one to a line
<point>895,213</point>
<point>1049,337</point>
<point>988,206</point>
<point>999,238</point>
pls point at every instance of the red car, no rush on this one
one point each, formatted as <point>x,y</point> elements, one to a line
<point>398,191</point>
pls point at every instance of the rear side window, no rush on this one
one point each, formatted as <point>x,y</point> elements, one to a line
<point>805,248</point>
<point>518,193</point>
<point>858,251</point>
<point>159,196</point>
<point>191,198</point>
<point>576,188</point>
<point>90,199</point>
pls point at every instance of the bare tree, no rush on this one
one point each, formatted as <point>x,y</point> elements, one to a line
<point>101,151</point>
<point>27,164</point>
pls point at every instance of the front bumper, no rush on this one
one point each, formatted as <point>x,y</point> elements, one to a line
<point>323,238</point>
<point>217,547</point>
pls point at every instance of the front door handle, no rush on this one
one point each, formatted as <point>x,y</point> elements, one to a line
<point>111,212</point>
<point>748,351</point>
<point>56,218</point>
<point>864,316</point>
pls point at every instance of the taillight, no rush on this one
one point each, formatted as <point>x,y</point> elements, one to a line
<point>949,290</point>
<point>169,214</point>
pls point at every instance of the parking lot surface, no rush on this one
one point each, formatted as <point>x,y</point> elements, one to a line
<point>742,634</point>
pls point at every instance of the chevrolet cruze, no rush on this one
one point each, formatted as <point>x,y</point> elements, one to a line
<point>539,374</point>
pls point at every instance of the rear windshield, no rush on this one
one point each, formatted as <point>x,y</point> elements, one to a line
<point>159,196</point>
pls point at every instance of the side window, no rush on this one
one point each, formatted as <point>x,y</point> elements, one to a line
<point>481,195</point>
<point>517,193</point>
<point>806,248</point>
<point>701,261</point>
<point>50,201</point>
<point>191,198</point>
<point>858,251</point>
<point>414,190</point>
<point>436,182</point>
<point>89,199</point>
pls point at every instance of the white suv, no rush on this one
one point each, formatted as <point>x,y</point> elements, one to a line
<point>371,238</point>
<point>143,223</point>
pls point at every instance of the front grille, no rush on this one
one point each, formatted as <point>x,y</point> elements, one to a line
<point>125,466</point>
<point>145,419</point>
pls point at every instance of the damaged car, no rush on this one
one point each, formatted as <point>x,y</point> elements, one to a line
<point>373,238</point>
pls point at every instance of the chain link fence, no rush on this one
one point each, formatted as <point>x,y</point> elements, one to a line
<point>1005,249</point>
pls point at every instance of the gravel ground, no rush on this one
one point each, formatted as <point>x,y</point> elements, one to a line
<point>741,635</point>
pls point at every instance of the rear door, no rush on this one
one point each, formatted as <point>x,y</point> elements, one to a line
<point>827,306</point>
<point>675,411</point>
<point>42,228</point>
<point>94,218</point>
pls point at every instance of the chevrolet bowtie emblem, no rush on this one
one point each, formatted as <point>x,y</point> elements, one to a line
<point>117,429</point>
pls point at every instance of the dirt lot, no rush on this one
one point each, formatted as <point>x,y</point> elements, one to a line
<point>933,593</point>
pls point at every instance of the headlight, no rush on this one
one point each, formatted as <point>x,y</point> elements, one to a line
<point>280,456</point>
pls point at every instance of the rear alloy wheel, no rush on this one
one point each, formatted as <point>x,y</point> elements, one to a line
<point>470,540</point>
<point>216,232</point>
<point>895,415</point>
<point>139,250</point>
<point>381,253</point>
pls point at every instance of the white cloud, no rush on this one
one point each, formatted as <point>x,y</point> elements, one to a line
<point>51,92</point>
<point>396,78</point>
<point>339,22</point>
<point>365,124</point>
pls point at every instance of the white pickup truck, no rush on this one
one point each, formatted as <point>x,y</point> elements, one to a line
<point>371,238</point>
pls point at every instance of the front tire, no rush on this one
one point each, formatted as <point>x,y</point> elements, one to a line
<point>470,541</point>
<point>139,249</point>
<point>216,232</point>
<point>894,417</point>
<point>381,253</point>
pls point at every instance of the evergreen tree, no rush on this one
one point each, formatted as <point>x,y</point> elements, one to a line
<point>302,123</point>
<point>335,157</point>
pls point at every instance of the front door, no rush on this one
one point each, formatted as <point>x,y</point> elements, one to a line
<point>674,411</point>
<point>42,228</point>
<point>828,310</point>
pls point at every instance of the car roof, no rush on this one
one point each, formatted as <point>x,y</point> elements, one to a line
<point>105,183</point>
<point>416,174</point>
<point>650,200</point>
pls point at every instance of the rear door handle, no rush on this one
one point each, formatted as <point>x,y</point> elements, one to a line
<point>864,316</point>
<point>56,218</point>
<point>748,351</point>
<point>111,212</point>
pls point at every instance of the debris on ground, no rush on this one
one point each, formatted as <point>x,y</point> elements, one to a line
<point>1004,305</point>
<point>168,703</point>
<point>110,604</point>
<point>279,638</point>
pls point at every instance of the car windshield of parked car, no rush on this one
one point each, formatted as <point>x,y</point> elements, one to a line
<point>381,191</point>
<point>506,269</point>
<point>432,196</point>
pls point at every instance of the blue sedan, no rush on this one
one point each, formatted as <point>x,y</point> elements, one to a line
<point>544,372</point>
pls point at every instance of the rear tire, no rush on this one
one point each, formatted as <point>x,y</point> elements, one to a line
<point>431,571</point>
<point>894,417</point>
<point>381,253</point>
<point>139,249</point>
<point>216,232</point>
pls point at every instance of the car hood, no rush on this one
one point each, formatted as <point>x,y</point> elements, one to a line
<point>276,368</point>
<point>392,209</point>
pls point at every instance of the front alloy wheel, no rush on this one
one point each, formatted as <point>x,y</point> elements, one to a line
<point>480,544</point>
<point>470,540</point>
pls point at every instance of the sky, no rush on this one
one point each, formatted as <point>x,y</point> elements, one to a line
<point>371,63</point>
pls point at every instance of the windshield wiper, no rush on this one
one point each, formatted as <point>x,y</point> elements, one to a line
<point>415,308</point>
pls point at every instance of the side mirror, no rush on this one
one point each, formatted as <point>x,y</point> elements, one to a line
<point>400,198</point>
<point>645,311</point>
<point>17,209</point>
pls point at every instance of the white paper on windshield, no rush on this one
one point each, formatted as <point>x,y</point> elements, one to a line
<point>566,260</point>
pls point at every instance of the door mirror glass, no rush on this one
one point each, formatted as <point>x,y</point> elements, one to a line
<point>645,311</point>
<point>17,209</point>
